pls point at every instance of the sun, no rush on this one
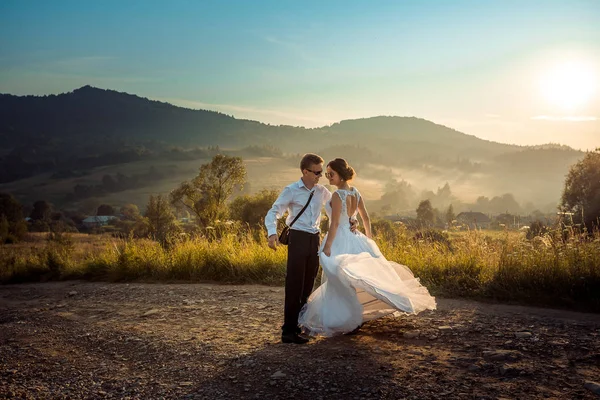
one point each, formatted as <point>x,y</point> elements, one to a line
<point>569,85</point>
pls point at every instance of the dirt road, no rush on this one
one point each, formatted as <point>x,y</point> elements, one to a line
<point>201,341</point>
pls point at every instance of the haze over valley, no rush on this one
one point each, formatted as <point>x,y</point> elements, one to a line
<point>54,147</point>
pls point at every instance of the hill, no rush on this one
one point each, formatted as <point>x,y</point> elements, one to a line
<point>61,141</point>
<point>93,114</point>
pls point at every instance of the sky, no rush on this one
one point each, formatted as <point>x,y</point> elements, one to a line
<point>512,71</point>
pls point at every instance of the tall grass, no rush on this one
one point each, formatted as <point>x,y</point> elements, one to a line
<point>559,269</point>
<point>230,259</point>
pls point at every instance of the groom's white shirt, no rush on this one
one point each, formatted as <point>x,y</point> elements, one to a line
<point>293,198</point>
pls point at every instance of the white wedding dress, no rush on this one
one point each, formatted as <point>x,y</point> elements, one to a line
<point>358,283</point>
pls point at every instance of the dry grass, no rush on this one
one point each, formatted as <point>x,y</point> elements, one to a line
<point>556,270</point>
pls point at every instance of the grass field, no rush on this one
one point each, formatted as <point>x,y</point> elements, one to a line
<point>501,266</point>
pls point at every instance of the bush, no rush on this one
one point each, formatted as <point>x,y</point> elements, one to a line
<point>252,209</point>
<point>536,228</point>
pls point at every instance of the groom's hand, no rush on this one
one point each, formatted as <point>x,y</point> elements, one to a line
<point>273,242</point>
<point>353,225</point>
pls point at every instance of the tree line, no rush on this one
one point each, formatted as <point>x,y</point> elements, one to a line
<point>206,202</point>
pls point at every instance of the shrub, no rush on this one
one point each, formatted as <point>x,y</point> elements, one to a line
<point>536,228</point>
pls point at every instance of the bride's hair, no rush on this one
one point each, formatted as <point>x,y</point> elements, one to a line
<point>341,166</point>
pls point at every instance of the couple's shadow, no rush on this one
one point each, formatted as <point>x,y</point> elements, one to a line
<point>359,366</point>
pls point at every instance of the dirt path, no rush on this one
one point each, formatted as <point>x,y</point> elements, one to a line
<point>97,340</point>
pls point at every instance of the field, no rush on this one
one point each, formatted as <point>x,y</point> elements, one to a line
<point>262,173</point>
<point>501,266</point>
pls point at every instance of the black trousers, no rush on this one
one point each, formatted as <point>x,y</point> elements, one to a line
<point>302,267</point>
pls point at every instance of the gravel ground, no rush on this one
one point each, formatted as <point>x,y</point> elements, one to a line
<point>81,340</point>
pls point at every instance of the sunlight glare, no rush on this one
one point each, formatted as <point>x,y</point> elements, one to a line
<point>569,85</point>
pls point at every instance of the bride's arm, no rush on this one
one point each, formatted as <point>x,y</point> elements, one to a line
<point>336,211</point>
<point>362,210</point>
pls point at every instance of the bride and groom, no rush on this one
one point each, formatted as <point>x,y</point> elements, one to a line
<point>358,283</point>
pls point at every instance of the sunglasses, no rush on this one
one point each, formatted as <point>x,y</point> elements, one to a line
<point>317,173</point>
<point>328,175</point>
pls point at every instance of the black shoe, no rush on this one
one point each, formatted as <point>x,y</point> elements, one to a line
<point>302,334</point>
<point>293,338</point>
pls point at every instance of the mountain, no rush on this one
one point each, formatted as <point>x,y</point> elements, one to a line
<point>92,113</point>
<point>76,134</point>
<point>97,115</point>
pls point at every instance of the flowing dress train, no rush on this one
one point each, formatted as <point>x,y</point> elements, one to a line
<point>358,284</point>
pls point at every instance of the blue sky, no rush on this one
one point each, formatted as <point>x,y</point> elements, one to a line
<point>474,65</point>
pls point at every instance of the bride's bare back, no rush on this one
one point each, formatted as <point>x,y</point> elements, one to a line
<point>351,202</point>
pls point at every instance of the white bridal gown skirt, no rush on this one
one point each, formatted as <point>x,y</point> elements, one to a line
<point>359,285</point>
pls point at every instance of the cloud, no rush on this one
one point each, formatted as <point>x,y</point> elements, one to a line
<point>567,118</point>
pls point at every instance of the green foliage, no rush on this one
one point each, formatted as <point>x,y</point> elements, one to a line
<point>581,194</point>
<point>130,212</point>
<point>425,213</point>
<point>42,210</point>
<point>162,224</point>
<point>10,207</point>
<point>252,209</point>
<point>206,195</point>
<point>12,226</point>
<point>450,216</point>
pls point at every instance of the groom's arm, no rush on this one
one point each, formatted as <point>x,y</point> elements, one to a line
<point>276,212</point>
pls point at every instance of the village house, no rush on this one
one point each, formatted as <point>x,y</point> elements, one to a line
<point>96,221</point>
<point>474,220</point>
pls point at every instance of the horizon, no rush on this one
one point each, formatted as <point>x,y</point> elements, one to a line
<point>300,126</point>
<point>312,65</point>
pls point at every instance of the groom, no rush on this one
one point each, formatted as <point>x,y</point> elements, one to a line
<point>303,247</point>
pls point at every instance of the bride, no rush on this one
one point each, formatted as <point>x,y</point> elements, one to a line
<point>358,283</point>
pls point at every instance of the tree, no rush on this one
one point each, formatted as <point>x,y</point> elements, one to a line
<point>10,207</point>
<point>398,195</point>
<point>42,210</point>
<point>130,212</point>
<point>160,218</point>
<point>504,203</point>
<point>425,214</point>
<point>482,204</point>
<point>252,209</point>
<point>206,195</point>
<point>450,215</point>
<point>444,196</point>
<point>581,194</point>
<point>105,209</point>
<point>12,225</point>
<point>4,228</point>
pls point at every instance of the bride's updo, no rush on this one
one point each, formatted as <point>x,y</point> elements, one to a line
<point>343,169</point>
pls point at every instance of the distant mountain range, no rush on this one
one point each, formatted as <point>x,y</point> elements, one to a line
<point>94,114</point>
<point>92,127</point>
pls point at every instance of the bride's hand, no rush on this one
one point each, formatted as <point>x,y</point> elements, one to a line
<point>327,251</point>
